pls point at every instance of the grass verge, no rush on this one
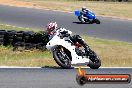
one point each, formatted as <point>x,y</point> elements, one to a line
<point>10,27</point>
<point>112,53</point>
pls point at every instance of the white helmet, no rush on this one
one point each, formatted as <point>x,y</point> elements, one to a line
<point>84,8</point>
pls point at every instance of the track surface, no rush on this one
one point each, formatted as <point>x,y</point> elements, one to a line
<point>54,78</point>
<point>109,28</point>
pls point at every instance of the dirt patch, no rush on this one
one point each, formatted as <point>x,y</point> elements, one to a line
<point>17,3</point>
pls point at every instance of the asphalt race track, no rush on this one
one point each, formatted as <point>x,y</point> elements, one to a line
<point>54,78</point>
<point>115,29</point>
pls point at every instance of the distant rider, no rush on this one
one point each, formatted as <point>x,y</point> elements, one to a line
<point>84,11</point>
<point>76,39</point>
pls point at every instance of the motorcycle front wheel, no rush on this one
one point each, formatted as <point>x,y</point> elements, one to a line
<point>97,21</point>
<point>94,62</point>
<point>94,65</point>
<point>62,58</point>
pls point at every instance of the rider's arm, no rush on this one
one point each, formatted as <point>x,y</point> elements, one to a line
<point>64,32</point>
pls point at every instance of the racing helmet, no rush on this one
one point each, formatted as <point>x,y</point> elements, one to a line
<point>51,26</point>
<point>84,8</point>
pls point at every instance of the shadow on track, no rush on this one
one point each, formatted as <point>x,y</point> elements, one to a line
<point>54,67</point>
<point>81,23</point>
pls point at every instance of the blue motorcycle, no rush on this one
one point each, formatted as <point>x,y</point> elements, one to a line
<point>88,17</point>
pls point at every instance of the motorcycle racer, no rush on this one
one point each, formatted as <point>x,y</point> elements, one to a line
<point>76,39</point>
<point>84,10</point>
<point>68,49</point>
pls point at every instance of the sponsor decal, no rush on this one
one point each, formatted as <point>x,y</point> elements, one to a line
<point>83,78</point>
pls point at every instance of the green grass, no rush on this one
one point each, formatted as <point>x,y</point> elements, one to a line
<point>25,58</point>
<point>112,53</point>
<point>10,27</point>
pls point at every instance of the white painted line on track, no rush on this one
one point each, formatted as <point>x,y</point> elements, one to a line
<point>45,67</point>
<point>105,67</point>
<point>17,67</point>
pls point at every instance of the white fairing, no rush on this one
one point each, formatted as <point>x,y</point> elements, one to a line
<point>56,40</point>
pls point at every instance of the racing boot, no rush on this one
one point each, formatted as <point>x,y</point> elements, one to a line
<point>86,47</point>
<point>81,41</point>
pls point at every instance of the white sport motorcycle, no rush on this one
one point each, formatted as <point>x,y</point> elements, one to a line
<point>66,54</point>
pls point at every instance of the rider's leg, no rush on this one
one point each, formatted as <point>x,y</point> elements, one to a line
<point>77,38</point>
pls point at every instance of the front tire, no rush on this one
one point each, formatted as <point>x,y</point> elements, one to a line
<point>62,58</point>
<point>94,65</point>
<point>94,62</point>
<point>97,21</point>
